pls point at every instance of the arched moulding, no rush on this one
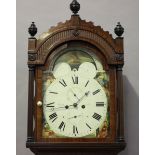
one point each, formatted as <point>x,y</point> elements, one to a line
<point>77,29</point>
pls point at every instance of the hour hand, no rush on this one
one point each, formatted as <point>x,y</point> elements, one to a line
<point>79,100</point>
<point>60,108</point>
<point>87,93</point>
<point>75,95</point>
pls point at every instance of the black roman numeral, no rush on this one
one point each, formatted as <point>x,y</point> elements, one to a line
<point>53,92</point>
<point>75,80</point>
<point>88,126</point>
<point>97,131</point>
<point>87,83</point>
<point>53,117</point>
<point>99,104</point>
<point>96,91</point>
<point>50,105</point>
<point>97,116</point>
<point>75,130</point>
<point>62,126</point>
<point>63,83</point>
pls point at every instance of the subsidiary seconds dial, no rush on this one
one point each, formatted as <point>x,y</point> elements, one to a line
<point>75,106</point>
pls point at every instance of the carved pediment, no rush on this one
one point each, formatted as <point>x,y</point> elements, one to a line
<point>77,23</point>
<point>78,29</point>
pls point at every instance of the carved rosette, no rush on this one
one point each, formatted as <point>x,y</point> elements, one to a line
<point>76,32</point>
<point>32,57</point>
<point>119,57</point>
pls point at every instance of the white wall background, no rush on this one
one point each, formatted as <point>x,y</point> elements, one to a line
<point>107,13</point>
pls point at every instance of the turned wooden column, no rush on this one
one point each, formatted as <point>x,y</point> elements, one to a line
<point>30,137</point>
<point>32,41</point>
<point>120,107</point>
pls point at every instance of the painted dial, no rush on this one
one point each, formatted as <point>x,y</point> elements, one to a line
<point>75,106</point>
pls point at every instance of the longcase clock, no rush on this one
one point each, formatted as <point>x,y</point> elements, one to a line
<point>75,99</point>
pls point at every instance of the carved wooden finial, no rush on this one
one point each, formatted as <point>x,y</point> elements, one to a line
<point>119,30</point>
<point>32,30</point>
<point>75,7</point>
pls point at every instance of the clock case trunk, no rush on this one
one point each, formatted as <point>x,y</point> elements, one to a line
<point>111,51</point>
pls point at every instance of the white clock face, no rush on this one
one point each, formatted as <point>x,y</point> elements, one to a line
<point>74,105</point>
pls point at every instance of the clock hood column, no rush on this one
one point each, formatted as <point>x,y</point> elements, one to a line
<point>30,135</point>
<point>31,57</point>
<point>120,106</point>
<point>119,30</point>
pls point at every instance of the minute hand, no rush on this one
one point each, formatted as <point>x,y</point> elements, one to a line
<point>77,103</point>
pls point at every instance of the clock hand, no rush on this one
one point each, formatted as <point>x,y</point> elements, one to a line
<point>74,94</point>
<point>78,102</point>
<point>74,105</point>
<point>60,108</point>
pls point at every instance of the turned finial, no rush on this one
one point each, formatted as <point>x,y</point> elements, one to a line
<point>75,7</point>
<point>32,29</point>
<point>119,30</point>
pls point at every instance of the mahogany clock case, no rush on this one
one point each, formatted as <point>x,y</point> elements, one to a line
<point>44,51</point>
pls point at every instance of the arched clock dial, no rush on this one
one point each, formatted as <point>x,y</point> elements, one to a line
<point>75,106</point>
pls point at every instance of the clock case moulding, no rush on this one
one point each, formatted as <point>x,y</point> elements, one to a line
<point>39,50</point>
